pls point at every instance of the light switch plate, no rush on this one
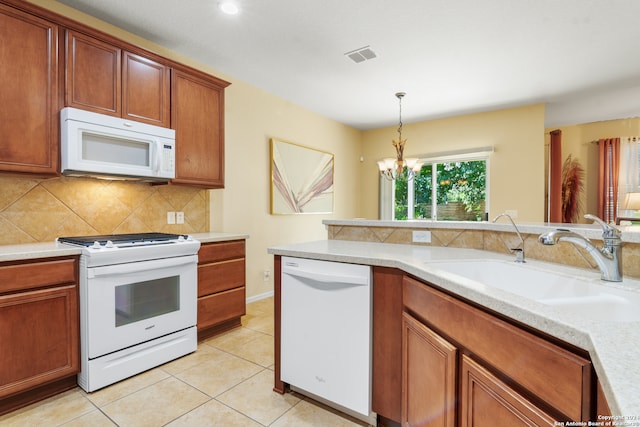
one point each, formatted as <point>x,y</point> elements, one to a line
<point>179,217</point>
<point>171,217</point>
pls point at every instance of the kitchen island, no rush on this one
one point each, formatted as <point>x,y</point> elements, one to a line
<point>612,346</point>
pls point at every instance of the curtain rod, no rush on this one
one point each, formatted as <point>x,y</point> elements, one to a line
<point>634,138</point>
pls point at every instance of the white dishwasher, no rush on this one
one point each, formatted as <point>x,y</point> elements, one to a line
<point>326,332</point>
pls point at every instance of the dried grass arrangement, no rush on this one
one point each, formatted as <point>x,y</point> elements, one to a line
<point>572,186</point>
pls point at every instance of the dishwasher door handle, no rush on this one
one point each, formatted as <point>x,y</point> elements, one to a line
<point>326,278</point>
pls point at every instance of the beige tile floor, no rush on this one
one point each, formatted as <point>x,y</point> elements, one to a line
<point>228,381</point>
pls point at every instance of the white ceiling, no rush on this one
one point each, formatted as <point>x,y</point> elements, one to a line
<point>452,57</point>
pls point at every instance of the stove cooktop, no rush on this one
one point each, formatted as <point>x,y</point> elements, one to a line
<point>140,238</point>
<point>113,249</point>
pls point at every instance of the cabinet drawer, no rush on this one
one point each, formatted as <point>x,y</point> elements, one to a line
<point>557,376</point>
<point>27,275</point>
<point>220,276</point>
<point>220,307</point>
<point>212,252</point>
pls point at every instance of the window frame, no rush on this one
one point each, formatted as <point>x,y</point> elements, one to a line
<point>387,188</point>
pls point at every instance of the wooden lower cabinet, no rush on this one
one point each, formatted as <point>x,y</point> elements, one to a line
<point>428,376</point>
<point>558,380</point>
<point>221,286</point>
<point>387,345</point>
<point>39,330</point>
<point>486,401</point>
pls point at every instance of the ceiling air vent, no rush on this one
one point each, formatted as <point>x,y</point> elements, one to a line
<point>362,54</point>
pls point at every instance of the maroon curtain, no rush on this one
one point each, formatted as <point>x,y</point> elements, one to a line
<point>608,169</point>
<point>555,176</point>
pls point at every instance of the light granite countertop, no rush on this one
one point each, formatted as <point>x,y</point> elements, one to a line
<point>211,237</point>
<point>614,346</point>
<point>54,249</point>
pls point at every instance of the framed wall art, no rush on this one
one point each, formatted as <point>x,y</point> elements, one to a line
<point>301,179</point>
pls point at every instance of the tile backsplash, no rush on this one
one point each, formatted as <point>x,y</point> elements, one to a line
<point>494,241</point>
<point>39,210</point>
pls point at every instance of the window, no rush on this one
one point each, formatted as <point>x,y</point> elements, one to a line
<point>446,190</point>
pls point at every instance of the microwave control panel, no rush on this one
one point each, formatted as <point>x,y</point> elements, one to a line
<point>168,157</point>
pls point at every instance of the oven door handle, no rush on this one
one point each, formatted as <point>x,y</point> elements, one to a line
<point>137,267</point>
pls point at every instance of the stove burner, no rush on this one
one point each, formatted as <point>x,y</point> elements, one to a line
<point>121,238</point>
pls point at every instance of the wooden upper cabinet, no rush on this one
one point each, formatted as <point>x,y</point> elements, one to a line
<point>146,88</point>
<point>197,115</point>
<point>103,78</point>
<point>93,75</point>
<point>29,93</point>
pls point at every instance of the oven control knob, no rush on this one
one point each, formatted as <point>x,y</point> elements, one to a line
<point>181,238</point>
<point>109,244</point>
<point>96,245</point>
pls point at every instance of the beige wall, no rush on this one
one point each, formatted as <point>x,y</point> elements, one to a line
<point>577,141</point>
<point>252,118</point>
<point>516,168</point>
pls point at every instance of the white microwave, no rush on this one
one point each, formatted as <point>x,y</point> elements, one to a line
<point>105,146</point>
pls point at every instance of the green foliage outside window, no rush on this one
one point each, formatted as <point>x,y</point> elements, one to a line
<point>463,182</point>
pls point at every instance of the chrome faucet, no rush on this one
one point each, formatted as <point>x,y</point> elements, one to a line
<point>518,251</point>
<point>609,258</point>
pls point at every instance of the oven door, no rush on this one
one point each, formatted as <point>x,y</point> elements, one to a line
<point>132,303</point>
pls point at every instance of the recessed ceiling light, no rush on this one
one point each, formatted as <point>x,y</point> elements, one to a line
<point>229,7</point>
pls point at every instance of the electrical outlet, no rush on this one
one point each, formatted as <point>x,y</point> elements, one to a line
<point>266,275</point>
<point>422,236</point>
<point>179,217</point>
<point>171,217</point>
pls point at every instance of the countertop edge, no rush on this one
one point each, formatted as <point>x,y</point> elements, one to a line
<point>35,251</point>
<point>29,251</point>
<point>210,237</point>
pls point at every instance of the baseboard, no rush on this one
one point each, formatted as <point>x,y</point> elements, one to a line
<point>259,297</point>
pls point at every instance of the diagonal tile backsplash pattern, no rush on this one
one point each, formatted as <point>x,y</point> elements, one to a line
<point>495,241</point>
<point>39,210</point>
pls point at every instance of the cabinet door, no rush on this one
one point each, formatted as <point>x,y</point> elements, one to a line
<point>29,93</point>
<point>428,377</point>
<point>93,75</point>
<point>42,329</point>
<point>197,115</point>
<point>145,90</point>
<point>487,401</point>
<point>221,307</point>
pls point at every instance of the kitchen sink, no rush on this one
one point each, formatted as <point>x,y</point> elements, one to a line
<point>571,294</point>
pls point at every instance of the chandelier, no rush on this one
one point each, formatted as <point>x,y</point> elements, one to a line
<point>392,168</point>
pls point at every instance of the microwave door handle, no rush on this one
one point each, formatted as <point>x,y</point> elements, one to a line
<point>155,155</point>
